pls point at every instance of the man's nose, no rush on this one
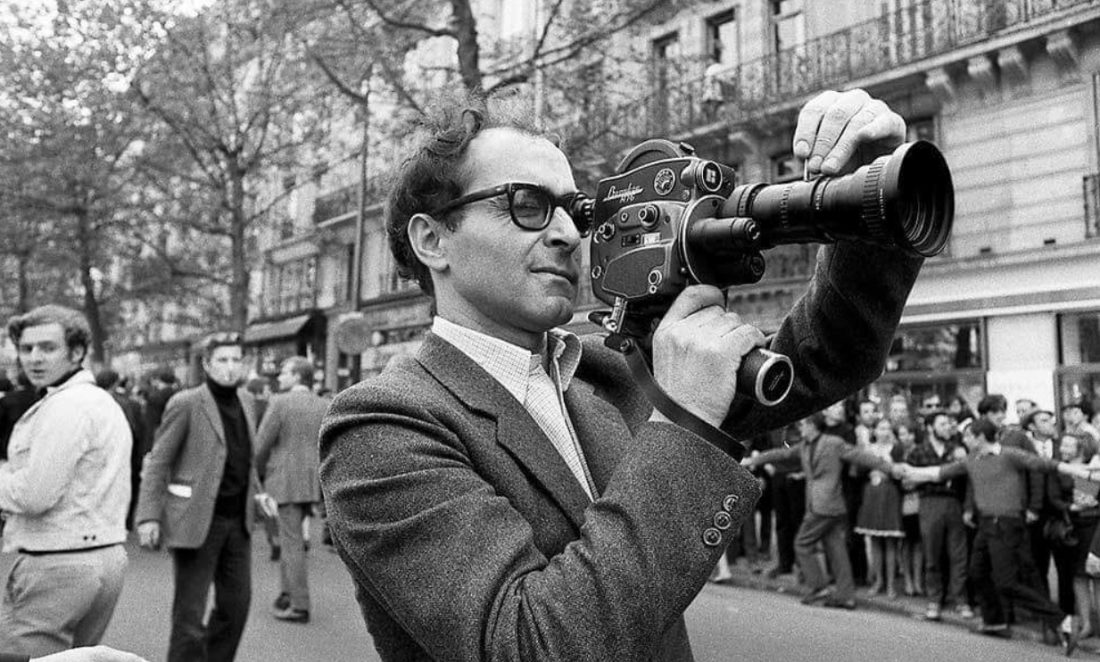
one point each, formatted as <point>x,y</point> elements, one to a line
<point>562,231</point>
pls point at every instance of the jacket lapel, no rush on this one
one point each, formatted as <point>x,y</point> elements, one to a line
<point>516,431</point>
<point>248,406</point>
<point>210,408</point>
<point>600,430</point>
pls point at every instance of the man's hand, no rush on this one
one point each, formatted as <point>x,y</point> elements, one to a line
<point>90,654</point>
<point>1031,517</point>
<point>900,471</point>
<point>697,349</point>
<point>968,518</point>
<point>267,505</point>
<point>1079,471</point>
<point>1092,565</point>
<point>149,534</point>
<point>834,127</point>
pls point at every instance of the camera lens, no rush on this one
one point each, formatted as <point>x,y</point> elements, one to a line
<point>905,199</point>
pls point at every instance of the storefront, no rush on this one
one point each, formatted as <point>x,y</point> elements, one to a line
<point>270,342</point>
<point>941,359</point>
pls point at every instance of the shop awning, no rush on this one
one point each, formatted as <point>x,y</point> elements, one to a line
<point>262,331</point>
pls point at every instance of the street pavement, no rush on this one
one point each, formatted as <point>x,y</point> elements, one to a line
<point>746,623</point>
<point>729,623</point>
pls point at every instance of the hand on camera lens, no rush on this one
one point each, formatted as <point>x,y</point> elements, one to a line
<point>697,349</point>
<point>834,127</point>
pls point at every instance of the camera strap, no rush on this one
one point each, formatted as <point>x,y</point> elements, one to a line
<point>639,368</point>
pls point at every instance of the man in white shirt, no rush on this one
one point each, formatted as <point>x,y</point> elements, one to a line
<point>65,490</point>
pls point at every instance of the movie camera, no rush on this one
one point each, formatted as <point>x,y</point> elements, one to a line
<point>669,219</point>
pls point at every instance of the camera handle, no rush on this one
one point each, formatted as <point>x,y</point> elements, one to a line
<point>764,376</point>
<point>639,368</point>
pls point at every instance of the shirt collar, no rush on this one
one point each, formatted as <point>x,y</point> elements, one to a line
<point>80,376</point>
<point>992,449</point>
<point>510,364</point>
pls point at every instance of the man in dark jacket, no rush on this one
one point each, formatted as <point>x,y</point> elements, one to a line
<point>108,380</point>
<point>577,522</point>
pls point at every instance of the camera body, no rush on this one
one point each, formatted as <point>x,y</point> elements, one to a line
<point>640,218</point>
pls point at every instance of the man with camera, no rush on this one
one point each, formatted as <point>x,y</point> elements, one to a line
<point>577,521</point>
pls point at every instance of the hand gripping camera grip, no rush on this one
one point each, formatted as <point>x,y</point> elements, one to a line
<point>765,376</point>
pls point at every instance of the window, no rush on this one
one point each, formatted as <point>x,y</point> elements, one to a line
<point>937,348</point>
<point>292,286</point>
<point>666,48</point>
<point>921,128</point>
<point>942,359</point>
<point>788,24</point>
<point>722,47</point>
<point>785,168</point>
<point>1079,375</point>
<point>666,60</point>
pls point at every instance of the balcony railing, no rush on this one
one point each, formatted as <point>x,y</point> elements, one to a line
<point>345,200</point>
<point>919,31</point>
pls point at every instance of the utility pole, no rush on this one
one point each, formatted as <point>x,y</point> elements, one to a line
<point>361,217</point>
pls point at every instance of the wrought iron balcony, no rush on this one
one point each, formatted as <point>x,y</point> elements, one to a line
<point>345,200</point>
<point>676,106</point>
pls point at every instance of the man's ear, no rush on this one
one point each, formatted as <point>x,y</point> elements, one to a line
<point>78,354</point>
<point>426,239</point>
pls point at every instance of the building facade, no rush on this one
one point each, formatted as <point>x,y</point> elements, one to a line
<point>1008,89</point>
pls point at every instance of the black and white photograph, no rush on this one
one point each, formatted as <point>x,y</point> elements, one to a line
<point>549,330</point>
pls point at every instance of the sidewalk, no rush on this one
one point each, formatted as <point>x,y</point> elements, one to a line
<point>753,576</point>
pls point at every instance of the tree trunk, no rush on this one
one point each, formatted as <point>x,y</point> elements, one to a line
<point>469,56</point>
<point>239,274</point>
<point>85,248</point>
<point>23,303</point>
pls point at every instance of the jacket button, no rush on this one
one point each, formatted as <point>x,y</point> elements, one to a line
<point>712,537</point>
<point>730,502</point>
<point>722,520</point>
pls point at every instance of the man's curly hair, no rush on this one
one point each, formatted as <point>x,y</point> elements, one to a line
<point>435,173</point>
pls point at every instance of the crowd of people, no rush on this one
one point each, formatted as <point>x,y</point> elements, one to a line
<point>84,461</point>
<point>939,500</point>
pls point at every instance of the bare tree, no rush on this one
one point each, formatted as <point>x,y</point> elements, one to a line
<point>231,88</point>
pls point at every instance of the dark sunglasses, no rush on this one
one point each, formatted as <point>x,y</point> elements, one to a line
<point>530,205</point>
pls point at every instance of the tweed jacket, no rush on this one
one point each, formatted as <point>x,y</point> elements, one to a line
<point>286,446</point>
<point>468,538</point>
<point>181,474</point>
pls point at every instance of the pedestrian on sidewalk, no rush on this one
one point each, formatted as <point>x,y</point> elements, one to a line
<point>943,534</point>
<point>65,489</point>
<point>197,497</point>
<point>286,459</point>
<point>788,485</point>
<point>1075,502</point>
<point>879,518</point>
<point>824,459</point>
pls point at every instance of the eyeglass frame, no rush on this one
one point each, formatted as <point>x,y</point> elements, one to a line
<point>510,188</point>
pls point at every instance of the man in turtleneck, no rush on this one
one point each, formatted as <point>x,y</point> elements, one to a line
<point>65,490</point>
<point>197,497</point>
